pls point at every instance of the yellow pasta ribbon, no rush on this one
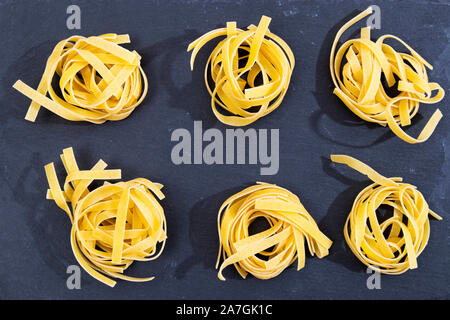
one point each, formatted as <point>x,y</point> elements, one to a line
<point>290,226</point>
<point>391,246</point>
<point>358,82</point>
<point>238,63</point>
<point>98,80</point>
<point>112,225</point>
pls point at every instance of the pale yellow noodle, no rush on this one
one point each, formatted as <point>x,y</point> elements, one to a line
<point>112,225</point>
<point>236,99</point>
<point>290,227</point>
<point>98,80</point>
<point>393,245</point>
<point>357,69</point>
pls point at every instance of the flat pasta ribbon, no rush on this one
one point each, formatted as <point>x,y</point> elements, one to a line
<point>358,83</point>
<point>98,80</point>
<point>112,225</point>
<point>290,226</point>
<point>238,63</point>
<point>393,245</point>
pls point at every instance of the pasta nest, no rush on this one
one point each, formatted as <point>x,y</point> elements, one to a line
<point>358,68</point>
<point>98,80</point>
<point>266,254</point>
<point>238,64</point>
<point>391,246</point>
<point>112,225</point>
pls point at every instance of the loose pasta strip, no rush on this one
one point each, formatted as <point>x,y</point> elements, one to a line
<point>393,245</point>
<point>98,80</point>
<point>112,225</point>
<point>290,226</point>
<point>358,81</point>
<point>251,70</point>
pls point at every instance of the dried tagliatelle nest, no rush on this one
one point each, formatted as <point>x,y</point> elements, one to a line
<point>358,68</point>
<point>112,225</point>
<point>98,80</point>
<point>251,70</point>
<point>391,246</point>
<point>266,254</point>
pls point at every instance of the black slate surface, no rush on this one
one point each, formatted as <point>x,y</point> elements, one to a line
<point>34,233</point>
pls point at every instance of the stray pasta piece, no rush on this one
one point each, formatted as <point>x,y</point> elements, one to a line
<point>393,245</point>
<point>112,225</point>
<point>266,254</point>
<point>98,80</point>
<point>251,71</point>
<point>359,81</point>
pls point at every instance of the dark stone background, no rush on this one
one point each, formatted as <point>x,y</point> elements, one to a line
<point>34,233</point>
